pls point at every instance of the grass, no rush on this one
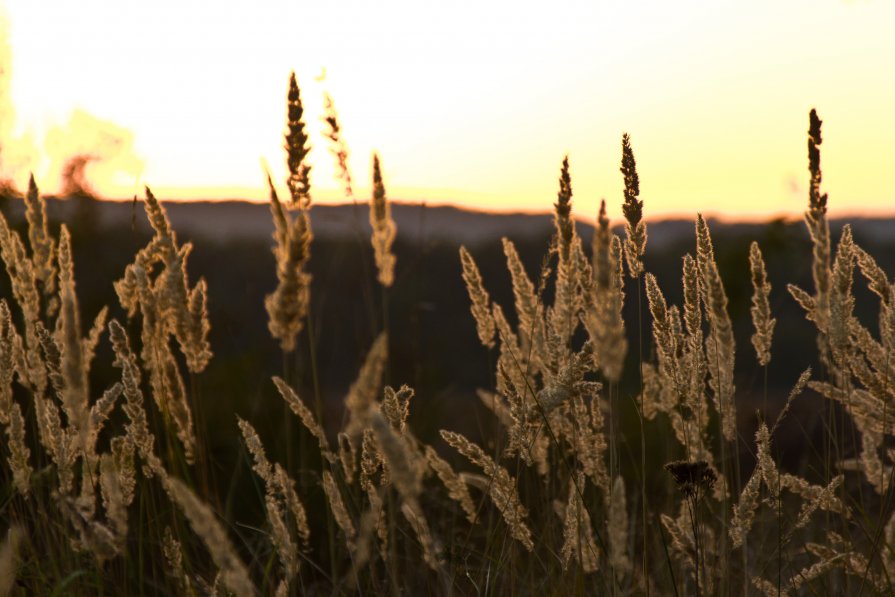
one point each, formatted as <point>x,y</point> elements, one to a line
<point>575,487</point>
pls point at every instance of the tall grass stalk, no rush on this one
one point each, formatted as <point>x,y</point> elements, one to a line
<point>637,238</point>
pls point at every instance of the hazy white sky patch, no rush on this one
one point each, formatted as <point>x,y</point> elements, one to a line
<point>479,101</point>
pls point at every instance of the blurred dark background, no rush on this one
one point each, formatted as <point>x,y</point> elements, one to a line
<point>433,343</point>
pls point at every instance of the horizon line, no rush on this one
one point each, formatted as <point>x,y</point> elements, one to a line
<point>662,215</point>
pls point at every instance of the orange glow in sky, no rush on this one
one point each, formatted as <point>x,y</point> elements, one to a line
<point>468,102</point>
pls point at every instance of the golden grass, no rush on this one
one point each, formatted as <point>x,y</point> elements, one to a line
<point>105,484</point>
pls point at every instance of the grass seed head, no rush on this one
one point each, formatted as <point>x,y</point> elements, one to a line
<point>761,308</point>
<point>296,145</point>
<point>384,229</point>
<point>635,245</point>
<point>565,227</point>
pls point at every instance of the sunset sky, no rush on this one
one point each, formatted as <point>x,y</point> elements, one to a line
<point>468,102</point>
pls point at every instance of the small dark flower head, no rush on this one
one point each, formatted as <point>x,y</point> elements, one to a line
<point>692,478</point>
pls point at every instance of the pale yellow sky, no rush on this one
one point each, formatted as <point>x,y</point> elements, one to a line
<point>468,102</point>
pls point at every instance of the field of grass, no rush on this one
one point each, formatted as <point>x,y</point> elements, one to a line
<point>574,484</point>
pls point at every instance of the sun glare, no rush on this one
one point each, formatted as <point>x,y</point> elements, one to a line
<point>468,103</point>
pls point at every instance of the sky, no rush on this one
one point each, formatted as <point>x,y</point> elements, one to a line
<point>472,103</point>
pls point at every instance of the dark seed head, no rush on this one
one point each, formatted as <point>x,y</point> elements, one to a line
<point>692,478</point>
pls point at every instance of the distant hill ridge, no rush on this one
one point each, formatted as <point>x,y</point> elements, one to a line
<point>244,220</point>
